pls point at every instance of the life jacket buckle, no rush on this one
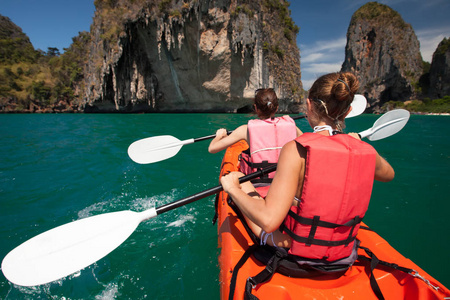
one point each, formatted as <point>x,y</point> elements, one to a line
<point>252,282</point>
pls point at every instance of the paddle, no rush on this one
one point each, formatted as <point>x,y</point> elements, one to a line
<point>388,124</point>
<point>358,105</point>
<point>158,148</point>
<point>66,249</point>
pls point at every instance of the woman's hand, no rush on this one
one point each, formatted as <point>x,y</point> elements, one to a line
<point>214,146</point>
<point>222,140</point>
<point>221,133</point>
<point>230,181</point>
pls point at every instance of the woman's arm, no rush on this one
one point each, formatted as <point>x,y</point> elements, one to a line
<point>383,170</point>
<point>269,213</point>
<point>222,141</point>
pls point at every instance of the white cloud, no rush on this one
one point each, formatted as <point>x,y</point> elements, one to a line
<point>310,58</point>
<point>324,46</point>
<point>322,57</point>
<point>322,68</point>
<point>307,83</point>
<point>311,72</point>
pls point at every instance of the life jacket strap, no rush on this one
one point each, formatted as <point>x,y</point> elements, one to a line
<point>258,166</point>
<point>278,260</point>
<point>308,221</point>
<point>315,222</point>
<point>236,269</point>
<point>265,274</point>
<point>374,261</point>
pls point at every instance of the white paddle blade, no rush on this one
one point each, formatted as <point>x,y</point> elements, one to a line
<point>388,124</point>
<point>154,149</point>
<point>69,248</point>
<point>358,105</point>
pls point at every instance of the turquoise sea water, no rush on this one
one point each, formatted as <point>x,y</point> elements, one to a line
<point>58,168</point>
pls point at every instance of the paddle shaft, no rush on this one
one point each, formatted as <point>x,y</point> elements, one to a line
<point>208,137</point>
<point>211,191</point>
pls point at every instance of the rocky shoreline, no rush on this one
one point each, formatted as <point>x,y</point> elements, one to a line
<point>430,114</point>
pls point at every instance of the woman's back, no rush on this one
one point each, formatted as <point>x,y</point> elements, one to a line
<point>339,171</point>
<point>265,106</point>
<point>265,139</point>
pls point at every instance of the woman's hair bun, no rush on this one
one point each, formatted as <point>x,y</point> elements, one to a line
<point>344,88</point>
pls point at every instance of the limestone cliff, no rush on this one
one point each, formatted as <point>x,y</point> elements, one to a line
<point>440,70</point>
<point>384,52</point>
<point>190,56</point>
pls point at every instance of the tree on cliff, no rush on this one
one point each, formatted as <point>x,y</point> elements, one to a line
<point>33,80</point>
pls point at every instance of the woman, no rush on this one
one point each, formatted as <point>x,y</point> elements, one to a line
<point>265,136</point>
<point>323,182</point>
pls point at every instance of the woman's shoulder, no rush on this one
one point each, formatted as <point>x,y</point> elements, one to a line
<point>241,131</point>
<point>242,127</point>
<point>292,147</point>
<point>292,154</point>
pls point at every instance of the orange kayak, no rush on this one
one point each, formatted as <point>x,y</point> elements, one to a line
<point>354,284</point>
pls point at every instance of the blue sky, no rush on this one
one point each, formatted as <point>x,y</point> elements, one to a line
<point>322,37</point>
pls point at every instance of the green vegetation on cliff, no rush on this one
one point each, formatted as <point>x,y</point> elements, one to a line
<point>443,47</point>
<point>282,7</point>
<point>422,106</point>
<point>34,80</point>
<point>378,11</point>
<point>280,48</point>
<point>15,46</point>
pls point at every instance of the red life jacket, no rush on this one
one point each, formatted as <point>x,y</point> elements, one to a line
<point>266,138</point>
<point>336,192</point>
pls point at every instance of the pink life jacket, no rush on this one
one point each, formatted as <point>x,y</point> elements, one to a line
<point>336,192</point>
<point>266,138</point>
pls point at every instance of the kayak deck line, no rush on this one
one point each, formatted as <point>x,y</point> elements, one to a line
<point>354,284</point>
